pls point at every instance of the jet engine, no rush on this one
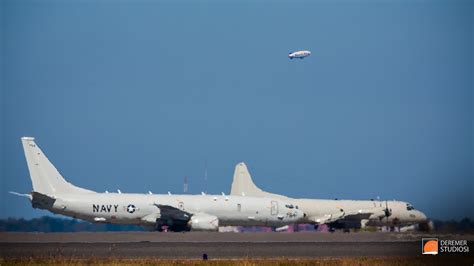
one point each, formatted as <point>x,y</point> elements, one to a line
<point>203,222</point>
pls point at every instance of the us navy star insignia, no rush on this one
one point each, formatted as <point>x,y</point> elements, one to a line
<point>131,208</point>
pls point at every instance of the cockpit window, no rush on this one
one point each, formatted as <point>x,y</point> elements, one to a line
<point>410,207</point>
<point>290,206</point>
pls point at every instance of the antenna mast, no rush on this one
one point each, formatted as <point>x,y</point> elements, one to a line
<point>185,186</point>
<point>205,176</point>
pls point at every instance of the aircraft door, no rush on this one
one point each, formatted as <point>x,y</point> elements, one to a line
<point>274,208</point>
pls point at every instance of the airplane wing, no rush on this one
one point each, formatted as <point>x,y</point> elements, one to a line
<point>346,216</point>
<point>180,220</point>
<point>327,218</point>
<point>174,218</point>
<point>361,215</point>
<point>169,212</point>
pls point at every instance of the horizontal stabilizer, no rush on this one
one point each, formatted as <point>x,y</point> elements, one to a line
<point>21,195</point>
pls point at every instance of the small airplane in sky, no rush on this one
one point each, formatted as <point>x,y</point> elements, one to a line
<point>299,54</point>
<point>178,212</point>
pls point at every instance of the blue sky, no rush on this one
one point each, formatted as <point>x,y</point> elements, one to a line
<point>138,94</point>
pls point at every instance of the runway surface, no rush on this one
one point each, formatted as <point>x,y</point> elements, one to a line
<point>217,245</point>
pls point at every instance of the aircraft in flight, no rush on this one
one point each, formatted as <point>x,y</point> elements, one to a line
<point>178,212</point>
<point>337,213</point>
<point>299,54</point>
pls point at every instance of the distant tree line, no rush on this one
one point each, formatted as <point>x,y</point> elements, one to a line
<point>465,225</point>
<point>53,224</point>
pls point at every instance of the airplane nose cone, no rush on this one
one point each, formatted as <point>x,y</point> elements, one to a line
<point>421,217</point>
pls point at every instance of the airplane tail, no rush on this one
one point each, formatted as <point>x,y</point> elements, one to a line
<point>243,185</point>
<point>45,177</point>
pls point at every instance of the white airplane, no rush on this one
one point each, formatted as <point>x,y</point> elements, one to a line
<point>299,54</point>
<point>179,212</point>
<point>337,213</point>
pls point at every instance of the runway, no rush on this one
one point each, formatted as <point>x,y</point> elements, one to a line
<point>177,250</point>
<point>132,245</point>
<point>202,237</point>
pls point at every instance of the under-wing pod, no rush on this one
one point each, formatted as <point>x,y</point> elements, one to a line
<point>204,222</point>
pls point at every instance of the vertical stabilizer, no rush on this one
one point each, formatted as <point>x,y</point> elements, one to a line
<point>243,185</point>
<point>45,177</point>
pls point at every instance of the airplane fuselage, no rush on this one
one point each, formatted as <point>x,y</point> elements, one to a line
<point>399,214</point>
<point>177,212</point>
<point>141,209</point>
<point>349,213</point>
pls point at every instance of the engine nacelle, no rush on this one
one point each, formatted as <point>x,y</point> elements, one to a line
<point>204,222</point>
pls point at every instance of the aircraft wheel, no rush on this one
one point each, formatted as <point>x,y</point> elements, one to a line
<point>159,226</point>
